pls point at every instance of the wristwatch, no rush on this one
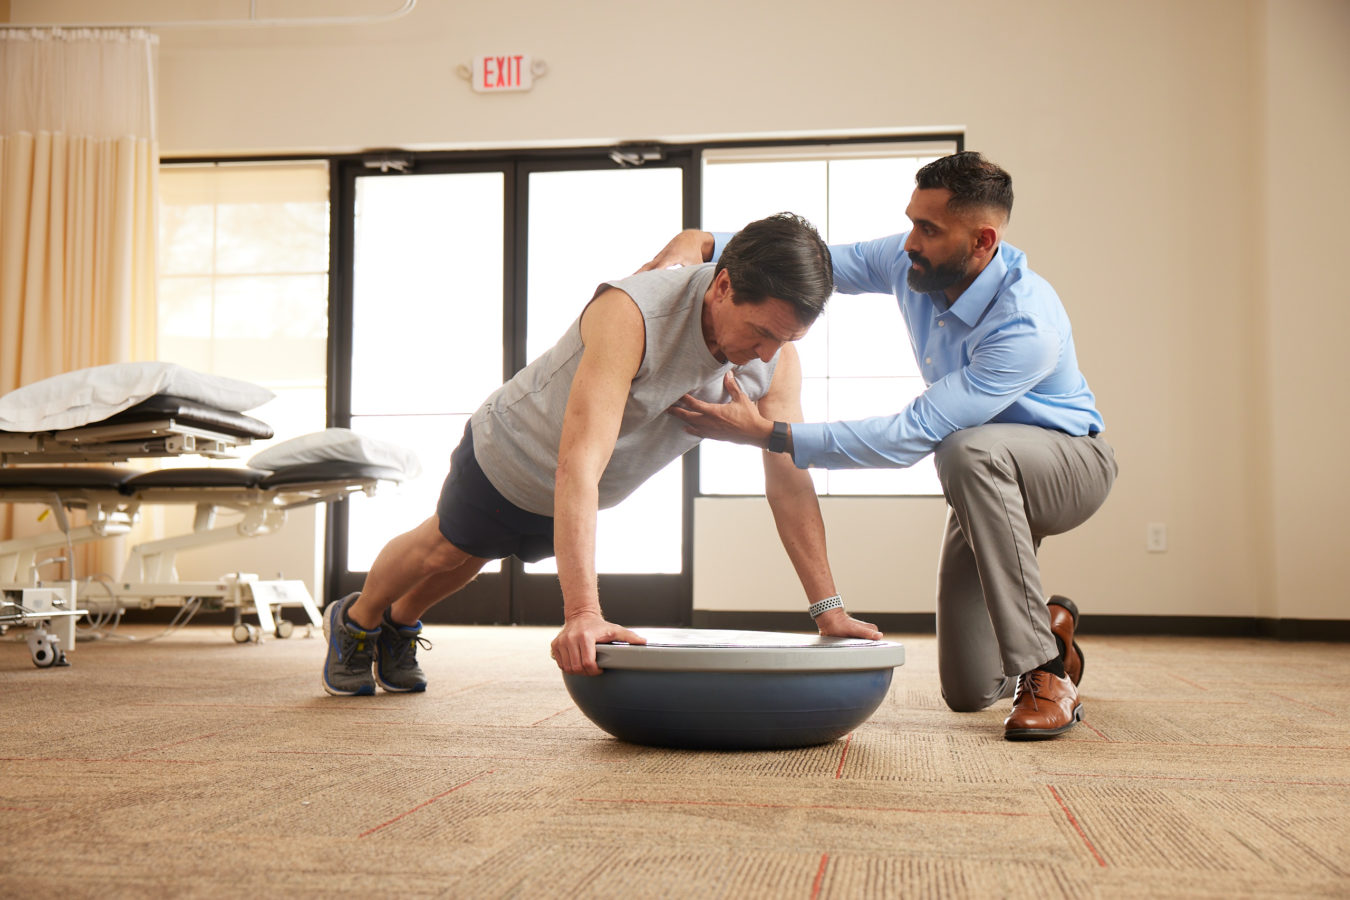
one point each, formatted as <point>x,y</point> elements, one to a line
<point>778,440</point>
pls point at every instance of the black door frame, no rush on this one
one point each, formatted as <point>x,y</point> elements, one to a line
<point>511,595</point>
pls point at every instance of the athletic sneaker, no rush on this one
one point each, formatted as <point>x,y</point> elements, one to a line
<point>396,667</point>
<point>351,651</point>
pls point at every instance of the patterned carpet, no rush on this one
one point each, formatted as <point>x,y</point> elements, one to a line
<point>193,767</point>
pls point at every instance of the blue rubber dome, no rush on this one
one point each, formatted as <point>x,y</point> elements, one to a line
<point>735,690</point>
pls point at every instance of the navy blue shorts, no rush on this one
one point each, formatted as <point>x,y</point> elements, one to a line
<point>480,521</point>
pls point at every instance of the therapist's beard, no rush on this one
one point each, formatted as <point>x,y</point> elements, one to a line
<point>936,278</point>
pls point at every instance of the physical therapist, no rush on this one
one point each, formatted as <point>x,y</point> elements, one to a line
<point>1013,426</point>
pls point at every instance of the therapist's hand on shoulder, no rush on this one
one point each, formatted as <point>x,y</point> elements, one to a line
<point>574,647</point>
<point>688,248</point>
<point>738,420</point>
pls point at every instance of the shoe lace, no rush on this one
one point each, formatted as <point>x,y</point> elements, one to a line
<point>408,648</point>
<point>1029,683</point>
<point>356,649</point>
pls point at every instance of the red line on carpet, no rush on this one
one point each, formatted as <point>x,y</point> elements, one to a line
<point>1188,681</point>
<point>1196,778</point>
<point>469,687</point>
<point>1156,700</point>
<point>102,759</point>
<point>422,805</point>
<point>176,743</point>
<point>1302,703</point>
<point>1305,673</point>
<point>383,754</point>
<point>1074,822</point>
<point>839,772</point>
<point>336,706</point>
<point>1235,746</point>
<point>820,875</point>
<point>554,716</point>
<point>727,803</point>
<point>1089,727</point>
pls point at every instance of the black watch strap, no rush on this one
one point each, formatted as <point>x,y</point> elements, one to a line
<point>778,440</point>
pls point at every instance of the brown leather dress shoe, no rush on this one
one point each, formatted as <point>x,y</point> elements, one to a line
<point>1043,706</point>
<point>1063,622</point>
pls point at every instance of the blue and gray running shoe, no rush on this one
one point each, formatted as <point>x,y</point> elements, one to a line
<point>351,651</point>
<point>396,666</point>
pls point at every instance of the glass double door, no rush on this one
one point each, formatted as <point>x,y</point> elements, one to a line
<point>453,277</point>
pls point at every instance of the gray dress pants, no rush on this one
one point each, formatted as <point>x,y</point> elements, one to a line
<point>1007,486</point>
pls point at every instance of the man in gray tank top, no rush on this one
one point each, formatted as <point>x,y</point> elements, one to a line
<point>581,427</point>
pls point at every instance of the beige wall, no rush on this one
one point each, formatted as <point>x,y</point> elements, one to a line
<point>1179,170</point>
<point>1305,95</point>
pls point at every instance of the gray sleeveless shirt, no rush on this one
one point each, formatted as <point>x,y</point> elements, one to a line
<point>516,431</point>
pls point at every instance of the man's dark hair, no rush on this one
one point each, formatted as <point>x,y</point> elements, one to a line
<point>781,256</point>
<point>973,180</point>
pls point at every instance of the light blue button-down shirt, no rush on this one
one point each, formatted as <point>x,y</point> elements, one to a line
<point>1003,352</point>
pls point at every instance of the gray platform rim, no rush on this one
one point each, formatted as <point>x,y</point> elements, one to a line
<point>707,650</point>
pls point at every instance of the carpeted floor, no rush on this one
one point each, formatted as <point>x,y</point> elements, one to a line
<point>194,767</point>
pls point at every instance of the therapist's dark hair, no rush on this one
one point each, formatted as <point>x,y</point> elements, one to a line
<point>782,256</point>
<point>973,180</point>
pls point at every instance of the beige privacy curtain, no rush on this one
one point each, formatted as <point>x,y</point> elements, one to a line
<point>78,200</point>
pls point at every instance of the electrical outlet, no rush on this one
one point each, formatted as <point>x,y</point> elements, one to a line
<point>1156,539</point>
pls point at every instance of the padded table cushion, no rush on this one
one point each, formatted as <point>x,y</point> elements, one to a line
<point>198,477</point>
<point>58,477</point>
<point>320,472</point>
<point>190,412</point>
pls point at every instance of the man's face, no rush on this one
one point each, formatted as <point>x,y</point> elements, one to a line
<point>940,245</point>
<point>747,331</point>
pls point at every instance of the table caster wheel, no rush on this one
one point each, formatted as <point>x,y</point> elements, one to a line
<point>46,655</point>
<point>46,649</point>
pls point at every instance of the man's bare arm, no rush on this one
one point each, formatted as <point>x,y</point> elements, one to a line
<point>614,338</point>
<point>796,508</point>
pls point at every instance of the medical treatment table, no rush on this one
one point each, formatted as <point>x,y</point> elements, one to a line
<point>323,467</point>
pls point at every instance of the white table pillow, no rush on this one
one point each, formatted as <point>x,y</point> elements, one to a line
<point>337,445</point>
<point>92,395</point>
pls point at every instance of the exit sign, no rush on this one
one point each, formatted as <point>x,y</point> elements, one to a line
<point>512,72</point>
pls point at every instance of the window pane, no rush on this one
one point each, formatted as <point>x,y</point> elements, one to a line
<point>187,239</point>
<point>867,337</point>
<point>427,332</point>
<point>266,328</point>
<point>395,509</point>
<point>270,329</point>
<point>868,197</point>
<point>851,192</point>
<point>643,534</point>
<point>726,468</point>
<point>185,307</point>
<point>735,194</point>
<point>272,237</point>
<point>427,293</point>
<point>859,398</point>
<point>635,209</point>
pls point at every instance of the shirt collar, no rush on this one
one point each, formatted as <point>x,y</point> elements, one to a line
<point>976,299</point>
